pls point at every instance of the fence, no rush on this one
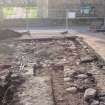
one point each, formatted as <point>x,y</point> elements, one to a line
<point>32,18</point>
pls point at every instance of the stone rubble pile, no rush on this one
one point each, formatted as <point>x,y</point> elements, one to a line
<point>85,83</point>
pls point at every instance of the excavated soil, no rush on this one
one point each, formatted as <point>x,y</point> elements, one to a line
<point>7,34</point>
<point>56,71</point>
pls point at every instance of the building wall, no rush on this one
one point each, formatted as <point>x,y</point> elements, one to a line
<point>63,3</point>
<point>56,4</point>
<point>75,5</point>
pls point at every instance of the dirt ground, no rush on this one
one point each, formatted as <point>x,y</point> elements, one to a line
<point>55,64</point>
<point>57,71</point>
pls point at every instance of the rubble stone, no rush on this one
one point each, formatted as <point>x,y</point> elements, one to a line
<point>86,59</point>
<point>102,103</point>
<point>69,72</point>
<point>67,79</point>
<point>102,98</point>
<point>72,89</point>
<point>95,102</point>
<point>89,93</point>
<point>101,94</point>
<point>82,76</point>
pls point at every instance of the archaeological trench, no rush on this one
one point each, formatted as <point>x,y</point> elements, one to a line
<point>50,71</point>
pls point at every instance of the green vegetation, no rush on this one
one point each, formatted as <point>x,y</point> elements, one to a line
<point>31,12</point>
<point>8,12</point>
